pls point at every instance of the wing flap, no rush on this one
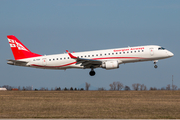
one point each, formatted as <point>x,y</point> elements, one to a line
<point>85,62</point>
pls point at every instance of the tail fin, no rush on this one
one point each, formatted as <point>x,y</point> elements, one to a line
<point>19,50</point>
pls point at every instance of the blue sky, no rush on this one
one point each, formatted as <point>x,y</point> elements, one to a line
<point>50,27</point>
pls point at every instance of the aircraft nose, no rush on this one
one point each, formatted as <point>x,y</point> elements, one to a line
<point>170,54</point>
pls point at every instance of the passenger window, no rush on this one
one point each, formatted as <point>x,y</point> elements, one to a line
<point>135,51</point>
<point>105,54</point>
<point>92,55</point>
<point>127,51</point>
<point>60,58</point>
<point>85,56</point>
<point>119,52</point>
<point>49,59</point>
<point>109,53</point>
<point>64,58</point>
<point>81,56</point>
<point>96,54</point>
<point>138,50</point>
<point>112,53</point>
<point>142,50</point>
<point>53,59</point>
<point>100,54</point>
<point>57,59</point>
<point>116,53</point>
<point>68,57</point>
<point>131,51</point>
<point>88,55</point>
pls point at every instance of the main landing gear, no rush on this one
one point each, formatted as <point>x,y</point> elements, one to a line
<point>92,72</point>
<point>155,61</point>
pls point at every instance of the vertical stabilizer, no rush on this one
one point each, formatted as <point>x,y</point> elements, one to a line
<point>19,50</point>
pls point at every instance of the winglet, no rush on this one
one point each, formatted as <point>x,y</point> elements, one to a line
<point>70,54</point>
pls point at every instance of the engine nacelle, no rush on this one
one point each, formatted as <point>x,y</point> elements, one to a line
<point>110,65</point>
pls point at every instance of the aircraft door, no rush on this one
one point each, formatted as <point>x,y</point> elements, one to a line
<point>44,61</point>
<point>151,51</point>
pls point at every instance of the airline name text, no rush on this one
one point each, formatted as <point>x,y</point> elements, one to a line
<point>127,49</point>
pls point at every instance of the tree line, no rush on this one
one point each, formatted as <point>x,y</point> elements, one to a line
<point>113,86</point>
<point>138,86</point>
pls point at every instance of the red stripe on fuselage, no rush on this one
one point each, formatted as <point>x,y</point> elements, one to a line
<point>92,59</point>
<point>54,66</point>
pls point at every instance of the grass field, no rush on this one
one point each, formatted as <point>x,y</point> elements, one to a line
<point>90,104</point>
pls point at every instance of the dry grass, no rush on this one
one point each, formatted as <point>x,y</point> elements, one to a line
<point>90,104</point>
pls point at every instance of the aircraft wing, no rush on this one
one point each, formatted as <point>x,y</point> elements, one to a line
<point>87,63</point>
<point>16,62</point>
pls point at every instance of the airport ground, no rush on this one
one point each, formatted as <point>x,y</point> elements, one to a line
<point>90,104</point>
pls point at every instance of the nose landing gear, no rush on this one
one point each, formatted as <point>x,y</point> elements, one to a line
<point>155,61</point>
<point>92,72</point>
<point>155,66</point>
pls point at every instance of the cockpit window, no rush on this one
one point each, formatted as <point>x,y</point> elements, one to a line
<point>161,48</point>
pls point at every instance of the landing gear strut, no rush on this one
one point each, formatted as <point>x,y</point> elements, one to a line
<point>92,72</point>
<point>155,66</point>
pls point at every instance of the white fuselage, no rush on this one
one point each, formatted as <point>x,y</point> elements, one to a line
<point>121,55</point>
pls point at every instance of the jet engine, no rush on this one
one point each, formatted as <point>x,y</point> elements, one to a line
<point>110,65</point>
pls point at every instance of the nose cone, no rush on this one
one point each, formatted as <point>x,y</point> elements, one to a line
<point>170,54</point>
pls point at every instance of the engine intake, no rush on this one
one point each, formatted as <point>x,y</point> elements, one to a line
<point>110,65</point>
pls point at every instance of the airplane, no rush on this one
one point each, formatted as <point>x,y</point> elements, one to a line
<point>107,59</point>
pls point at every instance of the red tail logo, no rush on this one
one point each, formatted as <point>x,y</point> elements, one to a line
<point>19,50</point>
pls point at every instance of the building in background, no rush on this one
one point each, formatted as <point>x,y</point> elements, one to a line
<point>3,89</point>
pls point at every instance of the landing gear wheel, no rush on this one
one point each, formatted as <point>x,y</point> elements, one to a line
<point>92,73</point>
<point>155,66</point>
<point>155,61</point>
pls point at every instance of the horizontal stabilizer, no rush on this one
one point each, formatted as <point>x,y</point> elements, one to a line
<point>16,62</point>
